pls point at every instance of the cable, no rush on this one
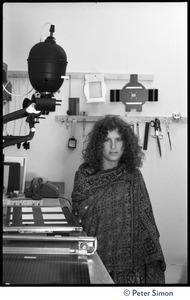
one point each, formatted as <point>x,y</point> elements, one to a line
<point>42,28</point>
<point>4,88</point>
<point>66,199</point>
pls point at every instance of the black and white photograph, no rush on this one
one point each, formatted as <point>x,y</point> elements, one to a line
<point>94,149</point>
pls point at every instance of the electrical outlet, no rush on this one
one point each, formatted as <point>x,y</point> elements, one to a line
<point>176,115</point>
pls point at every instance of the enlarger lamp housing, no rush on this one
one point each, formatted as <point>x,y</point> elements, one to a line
<point>47,62</point>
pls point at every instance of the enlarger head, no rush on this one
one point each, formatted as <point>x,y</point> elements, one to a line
<point>46,68</point>
<point>47,63</point>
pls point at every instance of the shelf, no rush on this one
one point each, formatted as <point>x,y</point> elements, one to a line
<point>81,75</point>
<point>141,119</point>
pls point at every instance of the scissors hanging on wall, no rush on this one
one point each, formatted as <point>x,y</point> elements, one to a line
<point>156,124</point>
<point>167,122</point>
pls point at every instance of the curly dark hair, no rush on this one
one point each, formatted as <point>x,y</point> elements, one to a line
<point>132,156</point>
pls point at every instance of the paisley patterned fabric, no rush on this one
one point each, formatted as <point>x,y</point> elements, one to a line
<point>114,206</point>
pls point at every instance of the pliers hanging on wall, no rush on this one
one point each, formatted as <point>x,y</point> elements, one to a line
<point>158,135</point>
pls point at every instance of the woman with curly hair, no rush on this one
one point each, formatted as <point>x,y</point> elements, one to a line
<point>110,199</point>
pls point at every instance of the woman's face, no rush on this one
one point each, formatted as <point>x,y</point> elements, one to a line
<point>113,149</point>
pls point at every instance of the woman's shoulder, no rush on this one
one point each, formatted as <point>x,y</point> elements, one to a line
<point>136,174</point>
<point>85,169</point>
<point>139,176</point>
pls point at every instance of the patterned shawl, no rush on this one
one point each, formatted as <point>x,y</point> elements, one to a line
<point>114,206</point>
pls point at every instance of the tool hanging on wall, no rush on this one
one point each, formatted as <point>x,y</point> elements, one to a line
<point>158,135</point>
<point>137,128</point>
<point>84,126</point>
<point>167,122</point>
<point>72,142</point>
<point>67,123</point>
<point>146,135</point>
<point>138,133</point>
<point>132,125</point>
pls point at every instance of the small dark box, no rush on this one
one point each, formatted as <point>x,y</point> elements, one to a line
<point>73,107</point>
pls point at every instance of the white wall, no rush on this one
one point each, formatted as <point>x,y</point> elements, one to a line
<point>131,38</point>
